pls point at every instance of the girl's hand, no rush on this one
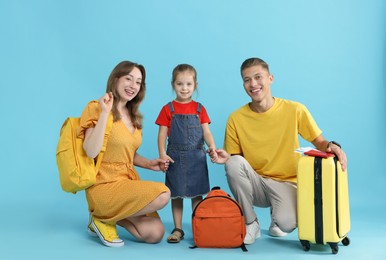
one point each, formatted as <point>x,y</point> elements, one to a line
<point>212,154</point>
<point>167,160</point>
<point>159,165</point>
<point>106,102</point>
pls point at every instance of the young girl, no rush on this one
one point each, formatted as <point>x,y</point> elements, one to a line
<point>185,124</point>
<point>119,197</point>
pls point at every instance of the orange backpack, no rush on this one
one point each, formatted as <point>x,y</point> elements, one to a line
<point>218,222</point>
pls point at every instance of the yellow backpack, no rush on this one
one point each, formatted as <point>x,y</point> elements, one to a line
<point>77,171</point>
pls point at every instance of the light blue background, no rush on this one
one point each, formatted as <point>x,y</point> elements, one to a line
<point>55,56</point>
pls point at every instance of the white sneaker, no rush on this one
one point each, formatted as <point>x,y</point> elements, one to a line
<point>253,232</point>
<point>275,231</point>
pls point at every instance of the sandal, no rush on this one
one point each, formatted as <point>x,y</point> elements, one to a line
<point>174,238</point>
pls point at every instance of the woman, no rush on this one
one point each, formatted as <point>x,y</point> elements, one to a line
<point>119,196</point>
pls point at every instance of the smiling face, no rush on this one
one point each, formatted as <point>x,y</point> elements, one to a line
<point>184,86</point>
<point>129,85</point>
<point>257,83</point>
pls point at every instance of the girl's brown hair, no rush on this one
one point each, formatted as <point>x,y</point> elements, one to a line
<point>122,69</point>
<point>182,68</point>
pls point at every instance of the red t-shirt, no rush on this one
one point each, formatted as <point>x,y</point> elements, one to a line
<point>165,116</point>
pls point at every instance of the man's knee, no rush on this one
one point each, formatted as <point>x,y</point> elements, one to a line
<point>233,166</point>
<point>286,224</point>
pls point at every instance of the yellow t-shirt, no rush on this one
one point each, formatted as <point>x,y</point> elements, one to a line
<point>268,140</point>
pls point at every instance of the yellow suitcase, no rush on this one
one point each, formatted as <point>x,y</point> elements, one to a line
<point>323,203</point>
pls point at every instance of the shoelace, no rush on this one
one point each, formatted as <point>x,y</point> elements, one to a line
<point>111,231</point>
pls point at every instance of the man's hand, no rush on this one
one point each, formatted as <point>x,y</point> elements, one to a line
<point>222,156</point>
<point>333,148</point>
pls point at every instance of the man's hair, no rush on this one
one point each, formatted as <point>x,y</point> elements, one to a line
<point>253,62</point>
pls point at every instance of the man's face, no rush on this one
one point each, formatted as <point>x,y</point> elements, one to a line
<point>257,83</point>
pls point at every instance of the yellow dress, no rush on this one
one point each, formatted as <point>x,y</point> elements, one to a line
<point>118,192</point>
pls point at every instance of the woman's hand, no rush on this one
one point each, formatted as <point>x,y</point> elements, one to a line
<point>155,164</point>
<point>106,102</point>
<point>159,164</point>
<point>166,161</point>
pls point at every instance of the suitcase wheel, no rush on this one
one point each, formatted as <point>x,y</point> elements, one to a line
<point>306,245</point>
<point>346,241</point>
<point>334,248</point>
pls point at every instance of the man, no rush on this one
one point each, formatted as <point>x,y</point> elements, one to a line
<point>259,157</point>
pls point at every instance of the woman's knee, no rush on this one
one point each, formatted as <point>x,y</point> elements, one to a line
<point>155,233</point>
<point>163,199</point>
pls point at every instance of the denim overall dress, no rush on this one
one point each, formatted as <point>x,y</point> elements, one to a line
<point>188,176</point>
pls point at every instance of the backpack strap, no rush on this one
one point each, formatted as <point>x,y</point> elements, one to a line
<point>243,247</point>
<point>171,107</point>
<point>109,126</point>
<point>199,108</point>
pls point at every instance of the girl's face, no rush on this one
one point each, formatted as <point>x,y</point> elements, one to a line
<point>129,85</point>
<point>184,86</point>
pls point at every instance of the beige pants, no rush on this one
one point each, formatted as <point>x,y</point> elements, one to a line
<point>250,189</point>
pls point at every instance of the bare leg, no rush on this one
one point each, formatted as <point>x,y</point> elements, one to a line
<point>144,228</point>
<point>177,207</point>
<point>195,201</point>
<point>177,234</point>
<point>156,204</point>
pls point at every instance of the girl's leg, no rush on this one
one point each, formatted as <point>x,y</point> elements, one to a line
<point>177,207</point>
<point>195,201</point>
<point>177,233</point>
